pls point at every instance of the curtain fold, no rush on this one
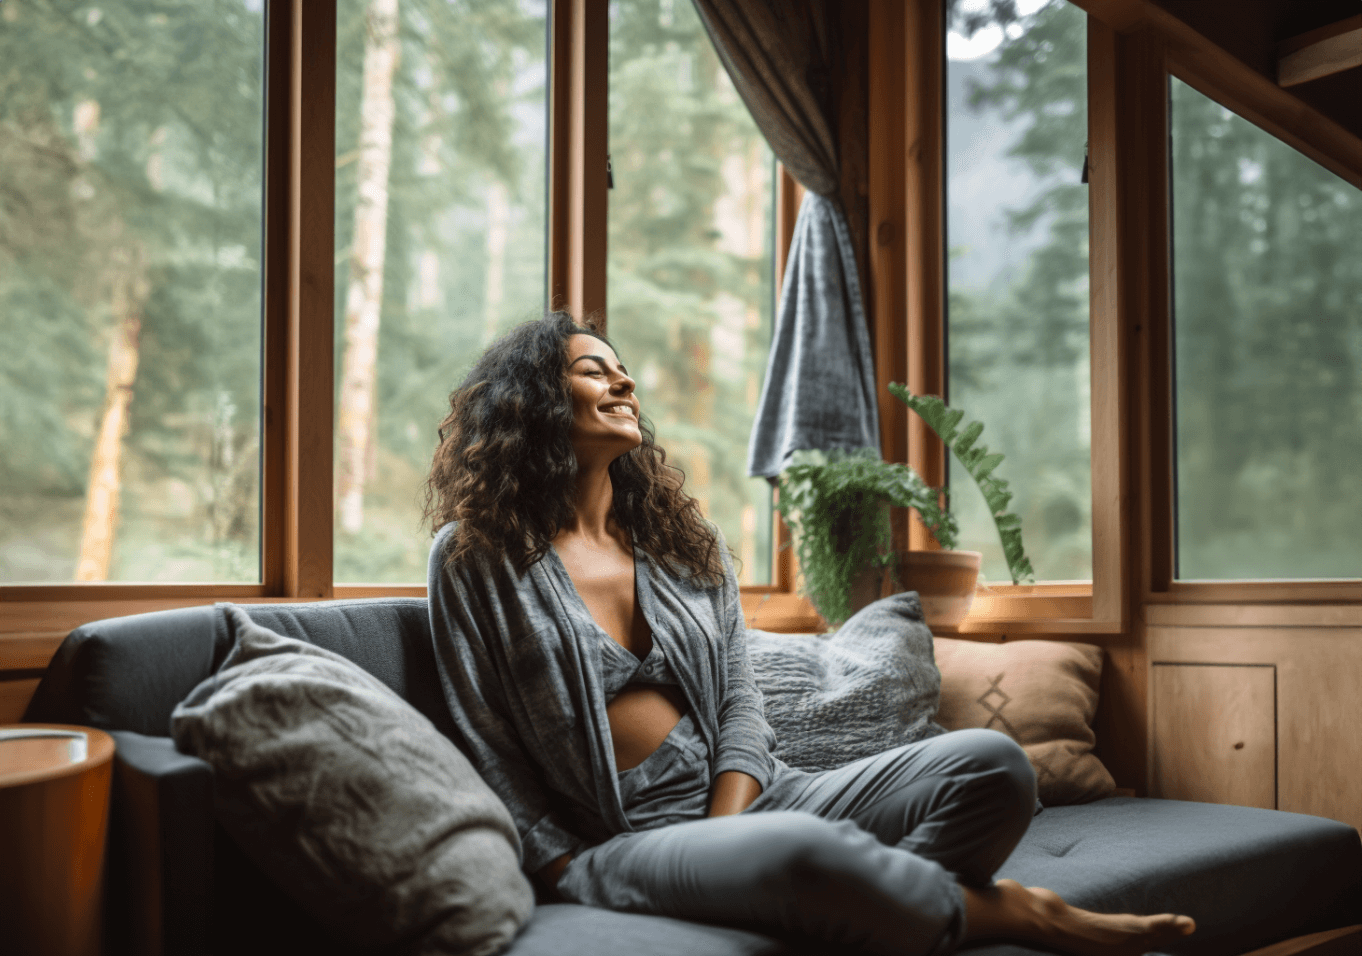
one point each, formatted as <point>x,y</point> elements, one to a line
<point>820,380</point>
<point>787,61</point>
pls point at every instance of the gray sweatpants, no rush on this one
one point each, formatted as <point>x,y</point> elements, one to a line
<point>868,856</point>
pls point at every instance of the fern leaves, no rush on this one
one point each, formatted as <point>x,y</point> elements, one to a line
<point>835,503</point>
<point>980,465</point>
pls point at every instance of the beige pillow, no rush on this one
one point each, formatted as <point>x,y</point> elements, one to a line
<point>1043,694</point>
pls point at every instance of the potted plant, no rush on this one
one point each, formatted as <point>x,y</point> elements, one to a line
<point>837,506</point>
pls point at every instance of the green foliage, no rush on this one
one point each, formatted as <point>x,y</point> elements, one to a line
<point>836,504</point>
<point>1268,344</point>
<point>980,465</point>
<point>690,299</point>
<point>167,175</point>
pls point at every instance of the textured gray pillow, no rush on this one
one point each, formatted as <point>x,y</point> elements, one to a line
<point>351,799</point>
<point>870,686</point>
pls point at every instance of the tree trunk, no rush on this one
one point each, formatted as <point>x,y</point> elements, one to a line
<point>101,497</point>
<point>364,297</point>
<point>498,228</point>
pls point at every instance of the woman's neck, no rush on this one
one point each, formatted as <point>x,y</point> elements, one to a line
<point>592,520</point>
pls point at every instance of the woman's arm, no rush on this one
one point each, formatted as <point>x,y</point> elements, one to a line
<point>486,733</point>
<point>734,792</point>
<point>745,738</point>
<point>549,876</point>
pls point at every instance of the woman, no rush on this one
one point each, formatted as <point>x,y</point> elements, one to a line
<point>591,642</point>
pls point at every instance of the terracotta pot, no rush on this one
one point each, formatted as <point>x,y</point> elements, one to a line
<point>944,581</point>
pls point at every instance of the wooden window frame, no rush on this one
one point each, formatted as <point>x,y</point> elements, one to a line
<point>297,506</point>
<point>1134,45</point>
<point>907,195</point>
<point>1154,46</point>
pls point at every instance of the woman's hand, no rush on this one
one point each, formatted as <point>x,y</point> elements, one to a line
<point>549,875</point>
<point>734,792</point>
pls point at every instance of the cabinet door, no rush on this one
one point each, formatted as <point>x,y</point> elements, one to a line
<point>1215,733</point>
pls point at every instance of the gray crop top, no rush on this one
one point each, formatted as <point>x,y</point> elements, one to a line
<point>619,667</point>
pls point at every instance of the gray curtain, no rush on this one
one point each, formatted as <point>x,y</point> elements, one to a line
<point>788,61</point>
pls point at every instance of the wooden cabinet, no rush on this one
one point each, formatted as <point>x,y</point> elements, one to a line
<point>1214,733</point>
<point>1298,687</point>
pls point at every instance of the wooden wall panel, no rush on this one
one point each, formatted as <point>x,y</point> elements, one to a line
<point>1319,671</point>
<point>1214,733</point>
<point>14,698</point>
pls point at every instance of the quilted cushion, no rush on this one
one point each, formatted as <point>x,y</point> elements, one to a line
<point>870,686</point>
<point>352,801</point>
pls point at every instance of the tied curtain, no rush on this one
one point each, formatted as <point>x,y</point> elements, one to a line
<point>799,66</point>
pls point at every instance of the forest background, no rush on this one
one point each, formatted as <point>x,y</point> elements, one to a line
<point>130,197</point>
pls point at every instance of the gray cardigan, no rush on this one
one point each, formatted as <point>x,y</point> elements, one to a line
<point>519,657</point>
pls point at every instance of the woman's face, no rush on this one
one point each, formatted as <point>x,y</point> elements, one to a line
<point>604,409</point>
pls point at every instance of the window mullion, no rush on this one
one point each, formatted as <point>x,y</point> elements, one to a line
<point>579,123</point>
<point>308,511</point>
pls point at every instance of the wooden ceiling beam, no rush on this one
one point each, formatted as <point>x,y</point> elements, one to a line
<point>1323,52</point>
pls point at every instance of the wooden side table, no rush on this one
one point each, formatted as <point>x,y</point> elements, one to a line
<point>54,817</point>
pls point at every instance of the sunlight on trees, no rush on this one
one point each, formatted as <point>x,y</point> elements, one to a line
<point>130,218</point>
<point>439,242</point>
<point>690,267</point>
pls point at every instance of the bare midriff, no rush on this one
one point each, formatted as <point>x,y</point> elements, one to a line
<point>641,715</point>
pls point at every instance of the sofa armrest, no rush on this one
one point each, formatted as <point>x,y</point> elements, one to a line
<point>160,848</point>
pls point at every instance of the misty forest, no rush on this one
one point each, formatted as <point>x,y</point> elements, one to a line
<point>131,158</point>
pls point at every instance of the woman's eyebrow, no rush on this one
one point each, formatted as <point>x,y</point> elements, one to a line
<point>598,359</point>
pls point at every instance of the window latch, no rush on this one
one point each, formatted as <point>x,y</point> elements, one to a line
<point>1084,178</point>
<point>609,173</point>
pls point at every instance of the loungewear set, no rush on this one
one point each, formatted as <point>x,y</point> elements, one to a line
<point>870,855</point>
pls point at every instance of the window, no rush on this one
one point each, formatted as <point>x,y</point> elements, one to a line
<point>690,260</point>
<point>1017,329</point>
<point>1267,277</point>
<point>441,131</point>
<point>130,293</point>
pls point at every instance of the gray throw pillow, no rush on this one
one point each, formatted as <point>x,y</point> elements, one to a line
<point>870,686</point>
<point>352,801</point>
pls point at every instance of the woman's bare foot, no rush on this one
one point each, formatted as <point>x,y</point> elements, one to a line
<point>1035,915</point>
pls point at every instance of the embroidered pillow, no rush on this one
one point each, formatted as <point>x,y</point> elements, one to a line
<point>870,686</point>
<point>352,801</point>
<point>1041,693</point>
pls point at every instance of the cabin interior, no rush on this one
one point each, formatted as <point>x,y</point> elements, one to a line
<point>1219,686</point>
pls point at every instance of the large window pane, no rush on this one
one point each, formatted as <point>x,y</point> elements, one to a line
<point>1267,272</point>
<point>130,224</point>
<point>1017,232</point>
<point>440,197</point>
<point>690,260</point>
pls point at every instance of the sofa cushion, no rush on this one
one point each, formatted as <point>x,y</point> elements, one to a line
<point>869,686</point>
<point>1043,694</point>
<point>562,929</point>
<point>128,673</point>
<point>1249,877</point>
<point>351,800</point>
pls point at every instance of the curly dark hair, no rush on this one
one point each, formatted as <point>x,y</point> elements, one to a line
<point>505,468</point>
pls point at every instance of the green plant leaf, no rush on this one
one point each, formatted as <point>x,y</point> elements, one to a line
<point>979,465</point>
<point>836,505</point>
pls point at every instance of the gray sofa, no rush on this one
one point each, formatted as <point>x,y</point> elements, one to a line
<point>177,884</point>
